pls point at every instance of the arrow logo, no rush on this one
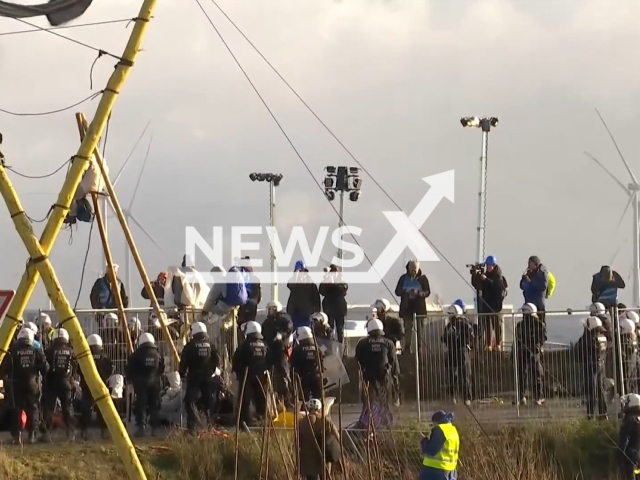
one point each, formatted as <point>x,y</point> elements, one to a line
<point>408,228</point>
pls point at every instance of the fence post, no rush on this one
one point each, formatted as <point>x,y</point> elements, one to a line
<point>417,364</point>
<point>515,364</point>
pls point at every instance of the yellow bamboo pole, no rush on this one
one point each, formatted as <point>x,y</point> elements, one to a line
<point>136,256</point>
<point>69,321</point>
<point>79,165</point>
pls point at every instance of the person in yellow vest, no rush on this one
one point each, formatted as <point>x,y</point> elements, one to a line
<point>440,449</point>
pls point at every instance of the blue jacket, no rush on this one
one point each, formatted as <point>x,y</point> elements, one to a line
<point>535,290</point>
<point>431,446</point>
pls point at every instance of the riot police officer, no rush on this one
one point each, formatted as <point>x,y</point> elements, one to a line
<point>393,326</point>
<point>105,370</point>
<point>304,364</point>
<point>58,384</point>
<point>23,366</point>
<point>249,363</point>
<point>276,331</point>
<point>629,350</point>
<point>458,337</point>
<point>592,352</point>
<point>198,364</point>
<point>530,336</point>
<point>144,371</point>
<point>378,361</point>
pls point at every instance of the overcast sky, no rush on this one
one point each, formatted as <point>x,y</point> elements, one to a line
<point>391,78</point>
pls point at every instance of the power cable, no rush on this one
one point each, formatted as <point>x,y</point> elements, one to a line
<point>293,147</point>
<point>335,137</point>
<point>34,177</point>
<point>40,29</point>
<point>51,112</point>
<point>84,264</point>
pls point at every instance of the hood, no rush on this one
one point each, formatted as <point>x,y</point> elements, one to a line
<point>417,265</point>
<point>188,261</point>
<point>535,260</point>
<point>218,269</point>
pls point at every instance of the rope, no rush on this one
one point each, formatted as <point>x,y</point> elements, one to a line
<point>40,29</point>
<point>286,136</point>
<point>51,112</point>
<point>84,264</point>
<point>32,177</point>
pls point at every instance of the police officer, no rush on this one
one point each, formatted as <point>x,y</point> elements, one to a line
<point>276,331</point>
<point>393,326</point>
<point>37,343</point>
<point>592,352</point>
<point>305,366</point>
<point>378,361</point>
<point>629,351</point>
<point>22,367</point>
<point>105,370</point>
<point>530,336</point>
<point>58,384</point>
<point>144,371</point>
<point>198,364</point>
<point>630,436</point>
<point>597,309</point>
<point>46,330</point>
<point>249,363</point>
<point>320,325</point>
<point>458,337</point>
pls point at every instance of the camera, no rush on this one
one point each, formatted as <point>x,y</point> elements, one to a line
<point>476,268</point>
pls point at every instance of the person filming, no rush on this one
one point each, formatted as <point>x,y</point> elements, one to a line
<point>490,286</point>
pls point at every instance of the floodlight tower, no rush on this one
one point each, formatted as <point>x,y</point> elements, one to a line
<point>342,179</point>
<point>485,124</point>
<point>274,180</point>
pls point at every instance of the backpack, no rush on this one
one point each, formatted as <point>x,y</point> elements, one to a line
<point>551,285</point>
<point>236,294</point>
<point>505,285</point>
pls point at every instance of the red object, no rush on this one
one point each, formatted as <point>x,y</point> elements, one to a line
<point>23,419</point>
<point>5,300</point>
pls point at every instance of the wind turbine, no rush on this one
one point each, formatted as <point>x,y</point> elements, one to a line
<point>131,219</point>
<point>631,190</point>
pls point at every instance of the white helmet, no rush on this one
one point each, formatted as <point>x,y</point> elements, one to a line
<point>592,322</point>
<point>31,326</point>
<point>321,318</point>
<point>374,325</point>
<point>44,319</point>
<point>111,320</point>
<point>627,326</point>
<point>631,400</point>
<point>314,405</point>
<point>134,323</point>
<point>26,333</point>
<point>304,333</point>
<point>198,327</point>
<point>454,310</point>
<point>155,322</point>
<point>251,327</point>
<point>597,309</point>
<point>633,316</point>
<point>146,338</point>
<point>529,309</point>
<point>62,333</point>
<point>274,304</point>
<point>94,340</point>
<point>382,304</point>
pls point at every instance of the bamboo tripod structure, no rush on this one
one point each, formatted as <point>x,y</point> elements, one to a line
<point>40,265</point>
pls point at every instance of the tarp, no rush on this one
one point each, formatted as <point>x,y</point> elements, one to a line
<point>58,12</point>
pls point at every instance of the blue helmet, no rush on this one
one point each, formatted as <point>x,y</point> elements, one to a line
<point>299,266</point>
<point>461,304</point>
<point>491,260</point>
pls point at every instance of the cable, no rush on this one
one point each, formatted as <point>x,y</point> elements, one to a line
<point>335,137</point>
<point>40,29</point>
<point>51,112</point>
<point>32,177</point>
<point>84,264</point>
<point>73,40</point>
<point>289,140</point>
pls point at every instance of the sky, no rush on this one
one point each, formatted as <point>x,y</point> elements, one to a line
<point>391,79</point>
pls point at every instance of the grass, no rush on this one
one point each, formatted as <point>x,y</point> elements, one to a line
<point>559,451</point>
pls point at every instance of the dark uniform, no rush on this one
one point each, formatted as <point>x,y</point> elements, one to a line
<point>280,323</point>
<point>144,371</point>
<point>458,337</point>
<point>629,349</point>
<point>58,384</point>
<point>378,361</point>
<point>22,367</point>
<point>105,370</point>
<point>304,364</point>
<point>530,335</point>
<point>198,363</point>
<point>629,443</point>
<point>250,359</point>
<point>592,352</point>
<point>393,328</point>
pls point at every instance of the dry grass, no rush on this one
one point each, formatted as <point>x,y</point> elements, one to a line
<point>567,451</point>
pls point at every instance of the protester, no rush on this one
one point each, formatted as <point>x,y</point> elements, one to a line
<point>102,296</point>
<point>248,311</point>
<point>440,449</point>
<point>304,297</point>
<point>158,286</point>
<point>216,293</point>
<point>491,288</point>
<point>605,285</point>
<point>413,289</point>
<point>334,303</point>
<point>534,285</point>
<point>311,429</point>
